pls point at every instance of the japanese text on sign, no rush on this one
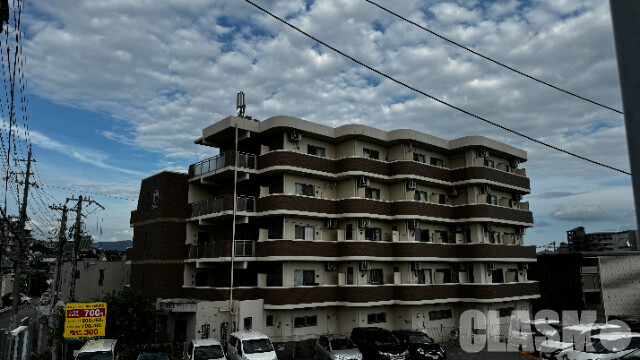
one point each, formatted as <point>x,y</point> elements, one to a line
<point>85,320</point>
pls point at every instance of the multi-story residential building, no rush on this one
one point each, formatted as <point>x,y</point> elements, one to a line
<point>333,228</point>
<point>579,240</point>
<point>605,282</point>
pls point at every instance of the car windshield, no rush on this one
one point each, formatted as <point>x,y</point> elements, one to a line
<point>153,356</point>
<point>342,344</point>
<point>96,355</point>
<point>207,352</point>
<point>257,346</point>
<point>419,339</point>
<point>385,339</point>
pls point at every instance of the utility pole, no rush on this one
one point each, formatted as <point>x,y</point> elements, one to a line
<point>61,241</point>
<point>18,257</point>
<point>626,33</point>
<point>77,234</point>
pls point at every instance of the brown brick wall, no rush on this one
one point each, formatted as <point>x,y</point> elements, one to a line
<point>172,201</point>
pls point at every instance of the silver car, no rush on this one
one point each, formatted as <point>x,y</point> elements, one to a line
<point>336,347</point>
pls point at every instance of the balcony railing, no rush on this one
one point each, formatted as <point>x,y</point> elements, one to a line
<point>210,250</point>
<point>208,165</point>
<point>246,160</point>
<point>208,206</point>
<point>246,203</point>
<point>245,248</point>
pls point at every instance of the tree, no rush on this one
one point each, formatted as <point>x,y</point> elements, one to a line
<point>130,316</point>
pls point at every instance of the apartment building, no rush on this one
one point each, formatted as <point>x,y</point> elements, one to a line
<point>579,240</point>
<point>298,229</point>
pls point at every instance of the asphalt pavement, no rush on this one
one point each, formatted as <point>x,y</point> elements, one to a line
<point>23,311</point>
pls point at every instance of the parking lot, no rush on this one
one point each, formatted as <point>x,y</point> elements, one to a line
<point>456,353</point>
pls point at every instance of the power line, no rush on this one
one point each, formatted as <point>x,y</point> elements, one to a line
<point>435,98</point>
<point>92,193</point>
<point>492,60</point>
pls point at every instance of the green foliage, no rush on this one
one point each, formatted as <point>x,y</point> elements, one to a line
<point>130,317</point>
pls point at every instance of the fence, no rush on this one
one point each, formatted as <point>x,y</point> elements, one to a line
<point>18,344</point>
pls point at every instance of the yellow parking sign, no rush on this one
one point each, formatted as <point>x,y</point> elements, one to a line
<point>85,320</point>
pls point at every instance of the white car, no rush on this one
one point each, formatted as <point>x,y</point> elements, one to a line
<point>250,345</point>
<point>204,349</point>
<point>607,346</point>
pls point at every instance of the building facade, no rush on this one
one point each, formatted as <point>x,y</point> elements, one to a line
<point>333,228</point>
<point>579,240</point>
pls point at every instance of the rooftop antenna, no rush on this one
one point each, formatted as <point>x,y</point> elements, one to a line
<point>240,104</point>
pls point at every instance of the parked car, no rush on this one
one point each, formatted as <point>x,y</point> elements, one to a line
<point>24,299</point>
<point>420,345</point>
<point>559,349</point>
<point>204,349</point>
<point>250,345</point>
<point>153,355</point>
<point>377,343</point>
<point>634,355</point>
<point>607,346</point>
<point>336,347</point>
<point>103,349</point>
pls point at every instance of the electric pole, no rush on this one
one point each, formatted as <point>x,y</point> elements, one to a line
<point>77,234</point>
<point>21,244</point>
<point>61,241</point>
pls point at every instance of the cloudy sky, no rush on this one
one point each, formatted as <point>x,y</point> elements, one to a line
<point>118,90</point>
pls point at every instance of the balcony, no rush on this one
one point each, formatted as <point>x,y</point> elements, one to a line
<point>211,250</point>
<point>212,164</point>
<point>245,248</point>
<point>222,203</point>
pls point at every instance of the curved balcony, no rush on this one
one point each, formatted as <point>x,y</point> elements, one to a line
<point>397,250</point>
<point>221,205</point>
<point>389,294</point>
<point>390,209</point>
<point>275,159</point>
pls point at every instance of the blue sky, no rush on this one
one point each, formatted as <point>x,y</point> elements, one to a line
<point>118,90</point>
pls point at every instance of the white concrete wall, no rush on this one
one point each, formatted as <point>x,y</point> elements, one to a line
<point>620,283</point>
<point>87,286</point>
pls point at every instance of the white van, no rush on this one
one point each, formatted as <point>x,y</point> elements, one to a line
<point>204,349</point>
<point>103,349</point>
<point>250,345</point>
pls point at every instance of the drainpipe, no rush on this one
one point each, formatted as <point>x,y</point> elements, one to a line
<point>233,231</point>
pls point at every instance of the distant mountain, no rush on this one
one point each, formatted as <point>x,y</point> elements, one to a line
<point>114,245</point>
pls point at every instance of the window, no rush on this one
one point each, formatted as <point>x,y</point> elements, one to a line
<point>505,312</point>
<point>315,150</point>
<point>422,235</point>
<point>489,163</point>
<point>206,328</point>
<point>374,234</point>
<point>372,193</point>
<point>371,154</point>
<point>420,196</point>
<point>492,199</point>
<point>377,318</point>
<point>304,277</point>
<point>304,189</point>
<point>511,275</point>
<point>349,232</point>
<point>375,277</point>
<point>497,276</point>
<point>494,237</point>
<point>247,323</point>
<point>424,276</point>
<point>440,314</point>
<point>444,236</point>
<point>419,157</point>
<point>305,321</point>
<point>305,233</point>
<point>436,162</point>
<point>443,276</point>
<point>442,199</point>
<point>269,321</point>
<point>350,275</point>
<point>101,278</point>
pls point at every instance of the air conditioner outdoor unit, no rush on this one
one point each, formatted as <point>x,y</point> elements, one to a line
<point>294,136</point>
<point>485,189</point>
<point>523,266</point>
<point>453,192</point>
<point>488,227</point>
<point>491,266</point>
<point>331,223</point>
<point>330,266</point>
<point>412,224</point>
<point>363,181</point>
<point>363,223</point>
<point>483,152</point>
<point>411,185</point>
<point>416,266</point>
<point>364,265</point>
